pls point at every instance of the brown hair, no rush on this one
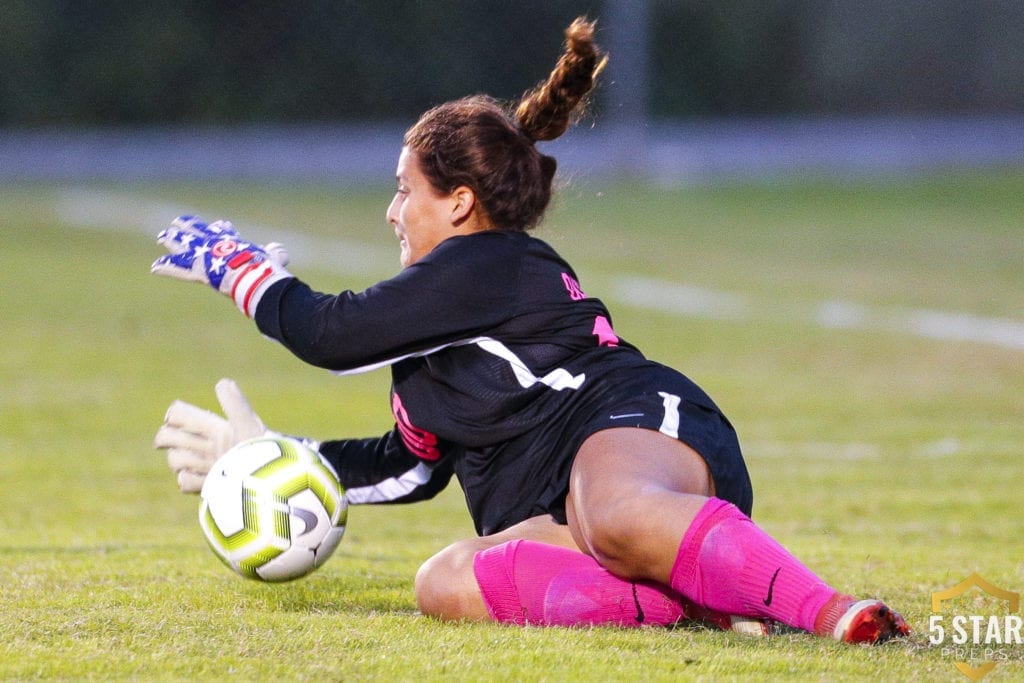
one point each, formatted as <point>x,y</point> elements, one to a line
<point>480,143</point>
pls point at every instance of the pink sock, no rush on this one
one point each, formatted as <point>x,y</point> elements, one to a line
<point>527,582</point>
<point>727,563</point>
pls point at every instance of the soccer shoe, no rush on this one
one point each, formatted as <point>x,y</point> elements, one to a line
<point>748,626</point>
<point>868,621</point>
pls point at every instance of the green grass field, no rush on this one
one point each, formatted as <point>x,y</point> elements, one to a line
<point>888,460</point>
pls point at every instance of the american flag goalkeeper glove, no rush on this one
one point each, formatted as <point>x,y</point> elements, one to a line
<point>217,255</point>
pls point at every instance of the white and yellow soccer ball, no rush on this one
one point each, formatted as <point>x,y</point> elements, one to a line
<point>272,509</point>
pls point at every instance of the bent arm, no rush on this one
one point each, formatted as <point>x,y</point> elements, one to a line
<point>382,470</point>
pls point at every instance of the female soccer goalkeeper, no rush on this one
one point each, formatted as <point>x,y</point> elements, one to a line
<point>606,488</point>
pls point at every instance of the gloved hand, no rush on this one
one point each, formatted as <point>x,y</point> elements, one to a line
<point>217,255</point>
<point>194,438</point>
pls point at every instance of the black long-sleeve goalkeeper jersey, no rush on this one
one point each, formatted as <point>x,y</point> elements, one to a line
<point>498,362</point>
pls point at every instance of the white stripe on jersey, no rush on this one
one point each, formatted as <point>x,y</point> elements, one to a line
<point>670,423</point>
<point>390,489</point>
<point>397,359</point>
<point>558,379</point>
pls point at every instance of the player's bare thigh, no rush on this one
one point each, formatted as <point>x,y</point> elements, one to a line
<point>632,495</point>
<point>446,586</point>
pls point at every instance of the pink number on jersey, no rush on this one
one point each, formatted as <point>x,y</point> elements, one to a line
<point>422,443</point>
<point>605,334</point>
<point>575,293</point>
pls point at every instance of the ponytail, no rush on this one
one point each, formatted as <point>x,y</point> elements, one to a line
<point>547,111</point>
<point>478,142</point>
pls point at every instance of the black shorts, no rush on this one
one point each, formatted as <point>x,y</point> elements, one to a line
<point>529,476</point>
<point>663,400</point>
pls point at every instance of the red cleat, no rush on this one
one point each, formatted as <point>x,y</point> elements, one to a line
<point>869,621</point>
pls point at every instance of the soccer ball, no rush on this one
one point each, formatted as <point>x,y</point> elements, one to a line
<point>272,509</point>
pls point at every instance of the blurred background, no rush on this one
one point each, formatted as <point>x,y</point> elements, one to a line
<point>322,89</point>
<point>812,207</point>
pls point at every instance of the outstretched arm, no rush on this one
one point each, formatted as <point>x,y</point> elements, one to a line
<point>217,255</point>
<point>424,308</point>
<point>195,438</point>
<point>380,470</point>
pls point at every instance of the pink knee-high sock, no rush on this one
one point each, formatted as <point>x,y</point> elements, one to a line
<point>728,563</point>
<point>524,582</point>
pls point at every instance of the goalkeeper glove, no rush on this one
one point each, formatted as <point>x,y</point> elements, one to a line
<point>195,438</point>
<point>217,255</point>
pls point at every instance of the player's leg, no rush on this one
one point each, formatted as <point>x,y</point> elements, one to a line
<point>639,503</point>
<point>446,586</point>
<point>534,573</point>
<point>711,553</point>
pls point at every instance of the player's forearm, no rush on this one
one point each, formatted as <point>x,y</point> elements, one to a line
<point>381,471</point>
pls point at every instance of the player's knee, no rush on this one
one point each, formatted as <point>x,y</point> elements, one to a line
<point>433,594</point>
<point>446,587</point>
<point>615,532</point>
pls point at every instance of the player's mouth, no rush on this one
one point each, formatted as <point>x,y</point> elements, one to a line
<point>404,255</point>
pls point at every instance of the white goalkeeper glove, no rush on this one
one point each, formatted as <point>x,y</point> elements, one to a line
<point>194,438</point>
<point>217,255</point>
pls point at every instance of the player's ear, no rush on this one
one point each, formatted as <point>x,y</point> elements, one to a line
<point>463,204</point>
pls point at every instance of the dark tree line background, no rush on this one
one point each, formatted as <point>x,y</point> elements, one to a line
<point>113,62</point>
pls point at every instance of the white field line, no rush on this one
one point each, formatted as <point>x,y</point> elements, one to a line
<point>813,449</point>
<point>114,211</point>
<point>670,297</point>
<point>924,323</point>
<point>120,212</point>
<point>851,451</point>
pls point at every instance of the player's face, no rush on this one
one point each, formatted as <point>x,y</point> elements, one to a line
<point>422,217</point>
